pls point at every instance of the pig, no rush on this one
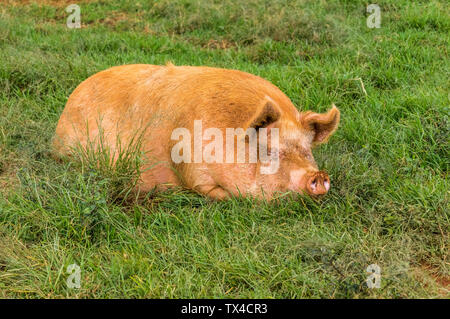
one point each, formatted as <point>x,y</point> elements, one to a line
<point>157,100</point>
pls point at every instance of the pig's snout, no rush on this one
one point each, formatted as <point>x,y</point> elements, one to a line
<point>317,183</point>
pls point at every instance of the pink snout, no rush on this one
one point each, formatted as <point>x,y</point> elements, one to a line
<point>317,183</point>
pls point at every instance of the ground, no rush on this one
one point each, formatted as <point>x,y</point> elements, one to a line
<point>388,162</point>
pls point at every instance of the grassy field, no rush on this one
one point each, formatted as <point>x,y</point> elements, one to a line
<point>388,162</point>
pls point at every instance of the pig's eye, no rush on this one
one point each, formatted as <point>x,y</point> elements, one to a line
<point>281,153</point>
<point>308,155</point>
<point>275,152</point>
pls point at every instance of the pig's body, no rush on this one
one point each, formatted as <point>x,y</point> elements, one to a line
<point>128,99</point>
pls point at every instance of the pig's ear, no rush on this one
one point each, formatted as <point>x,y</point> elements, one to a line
<point>323,125</point>
<point>267,114</point>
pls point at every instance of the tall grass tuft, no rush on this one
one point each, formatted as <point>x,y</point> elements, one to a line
<point>117,167</point>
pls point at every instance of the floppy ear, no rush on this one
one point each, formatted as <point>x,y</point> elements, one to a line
<point>322,124</point>
<point>267,114</point>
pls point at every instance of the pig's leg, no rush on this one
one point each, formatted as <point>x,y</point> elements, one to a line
<point>199,180</point>
<point>215,192</point>
<point>158,175</point>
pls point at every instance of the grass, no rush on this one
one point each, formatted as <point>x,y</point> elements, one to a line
<point>388,161</point>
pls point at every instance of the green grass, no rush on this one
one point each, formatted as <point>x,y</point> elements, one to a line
<point>388,161</point>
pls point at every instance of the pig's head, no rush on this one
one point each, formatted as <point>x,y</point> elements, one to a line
<point>291,165</point>
<point>298,170</point>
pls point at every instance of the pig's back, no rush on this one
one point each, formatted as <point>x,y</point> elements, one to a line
<point>126,98</point>
<point>106,97</point>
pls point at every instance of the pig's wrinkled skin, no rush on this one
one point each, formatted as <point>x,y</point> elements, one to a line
<point>125,99</point>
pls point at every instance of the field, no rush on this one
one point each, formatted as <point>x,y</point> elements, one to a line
<point>388,161</point>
